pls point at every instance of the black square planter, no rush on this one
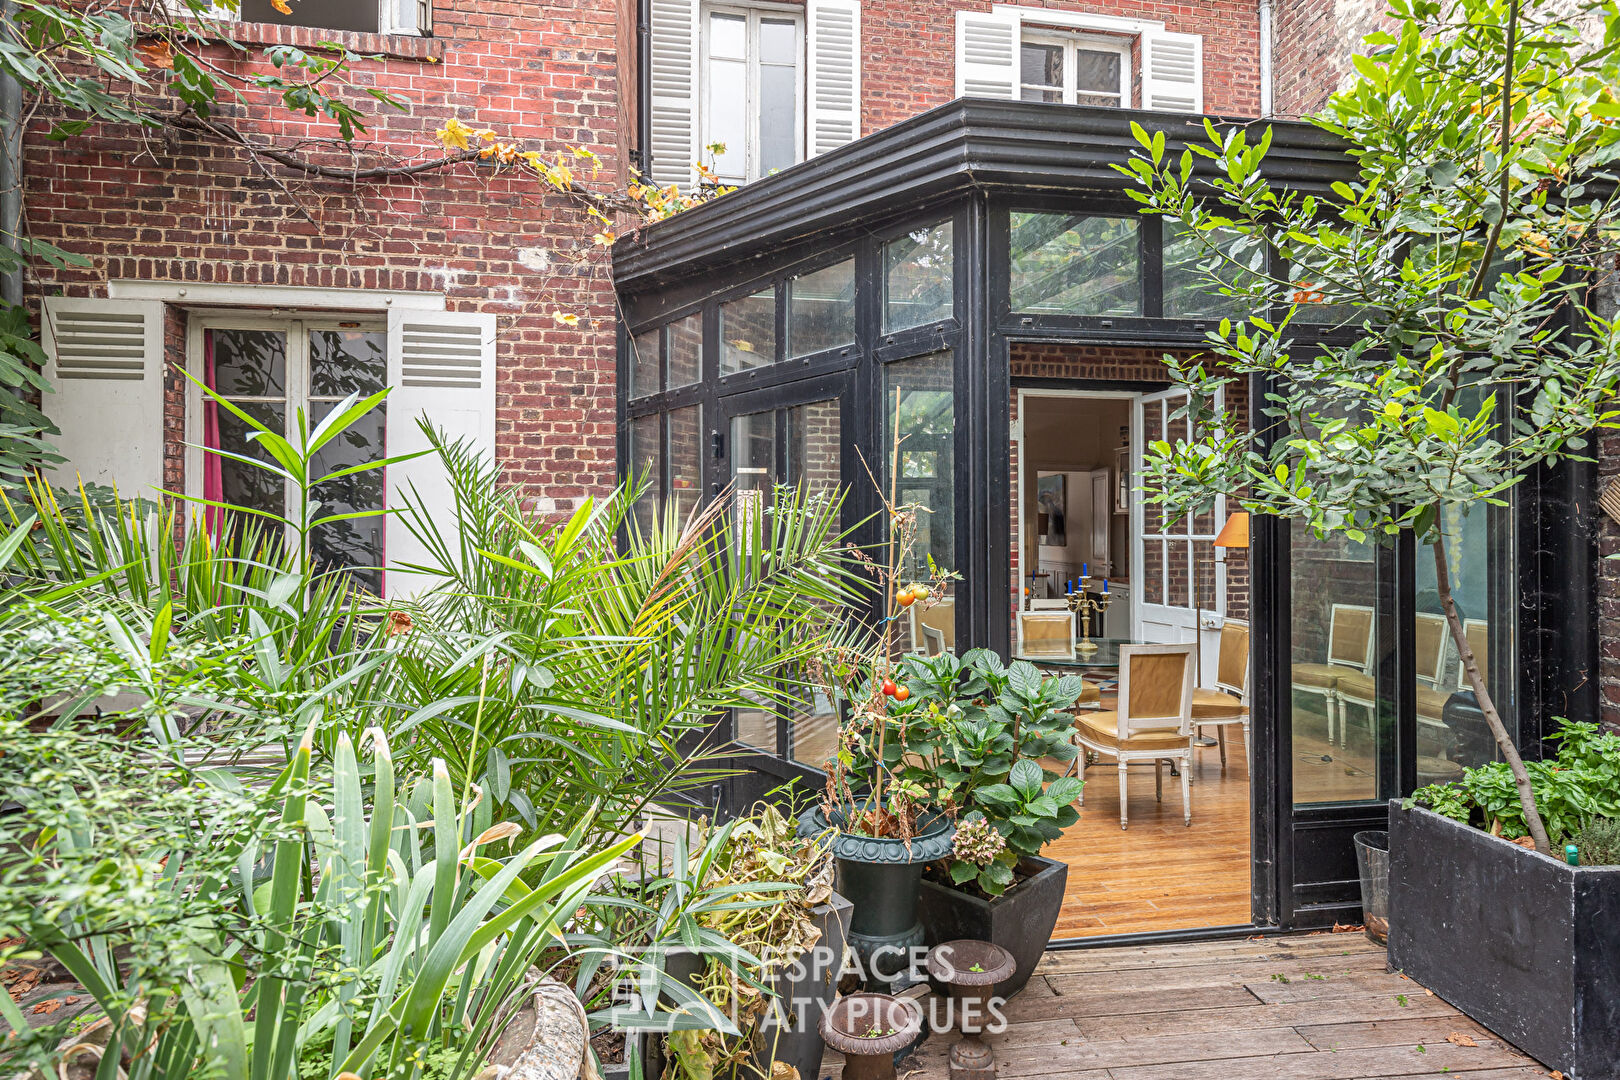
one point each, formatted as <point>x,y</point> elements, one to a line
<point>1020,920</point>
<point>1527,945</point>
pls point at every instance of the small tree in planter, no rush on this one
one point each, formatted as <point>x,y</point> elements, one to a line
<point>1460,262</point>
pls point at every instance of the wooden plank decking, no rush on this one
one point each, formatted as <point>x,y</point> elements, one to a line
<point>1318,1007</point>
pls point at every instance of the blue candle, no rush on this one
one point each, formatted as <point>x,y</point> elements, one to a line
<point>1105,586</point>
<point>1085,570</point>
<point>1071,586</point>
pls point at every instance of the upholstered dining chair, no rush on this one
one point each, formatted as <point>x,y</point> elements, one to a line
<point>1046,634</point>
<point>941,616</point>
<point>933,640</point>
<point>1228,702</point>
<point>1350,650</point>
<point>1152,722</point>
<point>1430,641</point>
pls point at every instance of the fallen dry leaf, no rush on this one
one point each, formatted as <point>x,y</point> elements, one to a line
<point>48,1006</point>
<point>1457,1038</point>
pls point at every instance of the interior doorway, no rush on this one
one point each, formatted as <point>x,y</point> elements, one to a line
<point>1096,564</point>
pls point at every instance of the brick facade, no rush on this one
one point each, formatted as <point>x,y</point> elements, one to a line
<point>547,74</point>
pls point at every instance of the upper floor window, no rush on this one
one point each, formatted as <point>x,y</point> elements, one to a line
<point>362,16</point>
<point>773,83</point>
<point>753,104</point>
<point>1075,69</point>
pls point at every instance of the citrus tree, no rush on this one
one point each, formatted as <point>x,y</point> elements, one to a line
<point>1459,266</point>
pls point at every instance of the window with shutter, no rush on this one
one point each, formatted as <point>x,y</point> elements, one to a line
<point>987,54</point>
<point>674,101</point>
<point>1173,71</point>
<point>834,98</point>
<point>105,360</point>
<point>752,63</point>
<point>362,16</point>
<point>441,366</point>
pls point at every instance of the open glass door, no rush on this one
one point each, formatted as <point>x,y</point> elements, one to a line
<point>1183,585</point>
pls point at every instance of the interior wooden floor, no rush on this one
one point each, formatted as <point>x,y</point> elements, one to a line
<point>1159,874</point>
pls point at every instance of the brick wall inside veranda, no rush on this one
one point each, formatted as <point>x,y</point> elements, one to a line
<point>545,74</point>
<point>1101,363</point>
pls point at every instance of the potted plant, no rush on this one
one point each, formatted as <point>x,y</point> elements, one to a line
<point>882,826</point>
<point>1462,880</point>
<point>974,735</point>
<point>1455,350</point>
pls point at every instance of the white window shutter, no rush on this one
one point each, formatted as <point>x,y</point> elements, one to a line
<point>441,364</point>
<point>1173,71</point>
<point>987,54</point>
<point>834,96</point>
<point>674,92</point>
<point>105,360</point>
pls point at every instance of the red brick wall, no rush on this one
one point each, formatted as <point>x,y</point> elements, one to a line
<point>545,74</point>
<point>1313,43</point>
<point>908,61</point>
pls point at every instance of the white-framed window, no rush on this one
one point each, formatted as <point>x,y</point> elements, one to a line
<point>278,370</point>
<point>753,101</point>
<point>1074,69</point>
<point>361,16</point>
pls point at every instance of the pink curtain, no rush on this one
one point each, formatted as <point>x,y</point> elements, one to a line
<point>213,479</point>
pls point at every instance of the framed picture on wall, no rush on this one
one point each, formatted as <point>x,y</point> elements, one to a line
<point>1122,480</point>
<point>1051,507</point>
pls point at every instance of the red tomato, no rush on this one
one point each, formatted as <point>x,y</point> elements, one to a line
<point>901,693</point>
<point>889,688</point>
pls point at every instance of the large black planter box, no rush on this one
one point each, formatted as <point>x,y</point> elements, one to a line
<point>1527,945</point>
<point>1020,920</point>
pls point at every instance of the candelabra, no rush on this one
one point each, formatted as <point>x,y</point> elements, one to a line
<point>1085,604</point>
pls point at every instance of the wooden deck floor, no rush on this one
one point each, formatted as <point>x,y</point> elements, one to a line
<point>1318,1007</point>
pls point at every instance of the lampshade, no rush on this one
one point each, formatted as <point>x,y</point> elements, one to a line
<point>1235,533</point>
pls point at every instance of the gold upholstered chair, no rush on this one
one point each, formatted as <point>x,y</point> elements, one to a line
<point>1047,635</point>
<point>1152,722</point>
<point>1228,702</point>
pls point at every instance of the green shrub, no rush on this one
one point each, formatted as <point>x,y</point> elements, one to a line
<point>1579,785</point>
<point>1598,842</point>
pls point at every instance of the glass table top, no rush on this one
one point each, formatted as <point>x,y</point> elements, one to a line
<point>1106,656</point>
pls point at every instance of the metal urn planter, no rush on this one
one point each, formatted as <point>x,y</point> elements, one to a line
<point>869,1029</point>
<point>882,879</point>
<point>1020,920</point>
<point>1526,944</point>
<point>970,970</point>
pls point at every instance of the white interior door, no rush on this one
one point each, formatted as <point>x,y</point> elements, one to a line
<point>1180,583</point>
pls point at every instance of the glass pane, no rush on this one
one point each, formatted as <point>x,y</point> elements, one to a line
<point>645,350</point>
<point>249,363</point>
<point>686,350</point>
<point>1188,261</point>
<point>1480,561</point>
<point>921,393</point>
<point>240,483</point>
<point>685,458</point>
<point>748,332</point>
<point>753,468</point>
<point>646,454</point>
<point>358,15</point>
<point>727,116</point>
<point>1153,571</point>
<point>814,442</point>
<point>1040,65</point>
<point>1075,264</point>
<point>355,542</point>
<point>917,278</point>
<point>728,36</point>
<point>1178,580</point>
<point>344,362</point>
<point>778,41</point>
<point>778,117</point>
<point>821,309</point>
<point>756,728</point>
<point>813,731</point>
<point>1094,70</point>
<point>1318,300</point>
<point>1341,723</point>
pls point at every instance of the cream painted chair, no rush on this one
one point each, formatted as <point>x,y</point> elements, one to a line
<point>1228,702</point>
<point>1046,635</point>
<point>941,616</point>
<point>1048,603</point>
<point>1153,721</point>
<point>1350,651</point>
<point>933,640</point>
